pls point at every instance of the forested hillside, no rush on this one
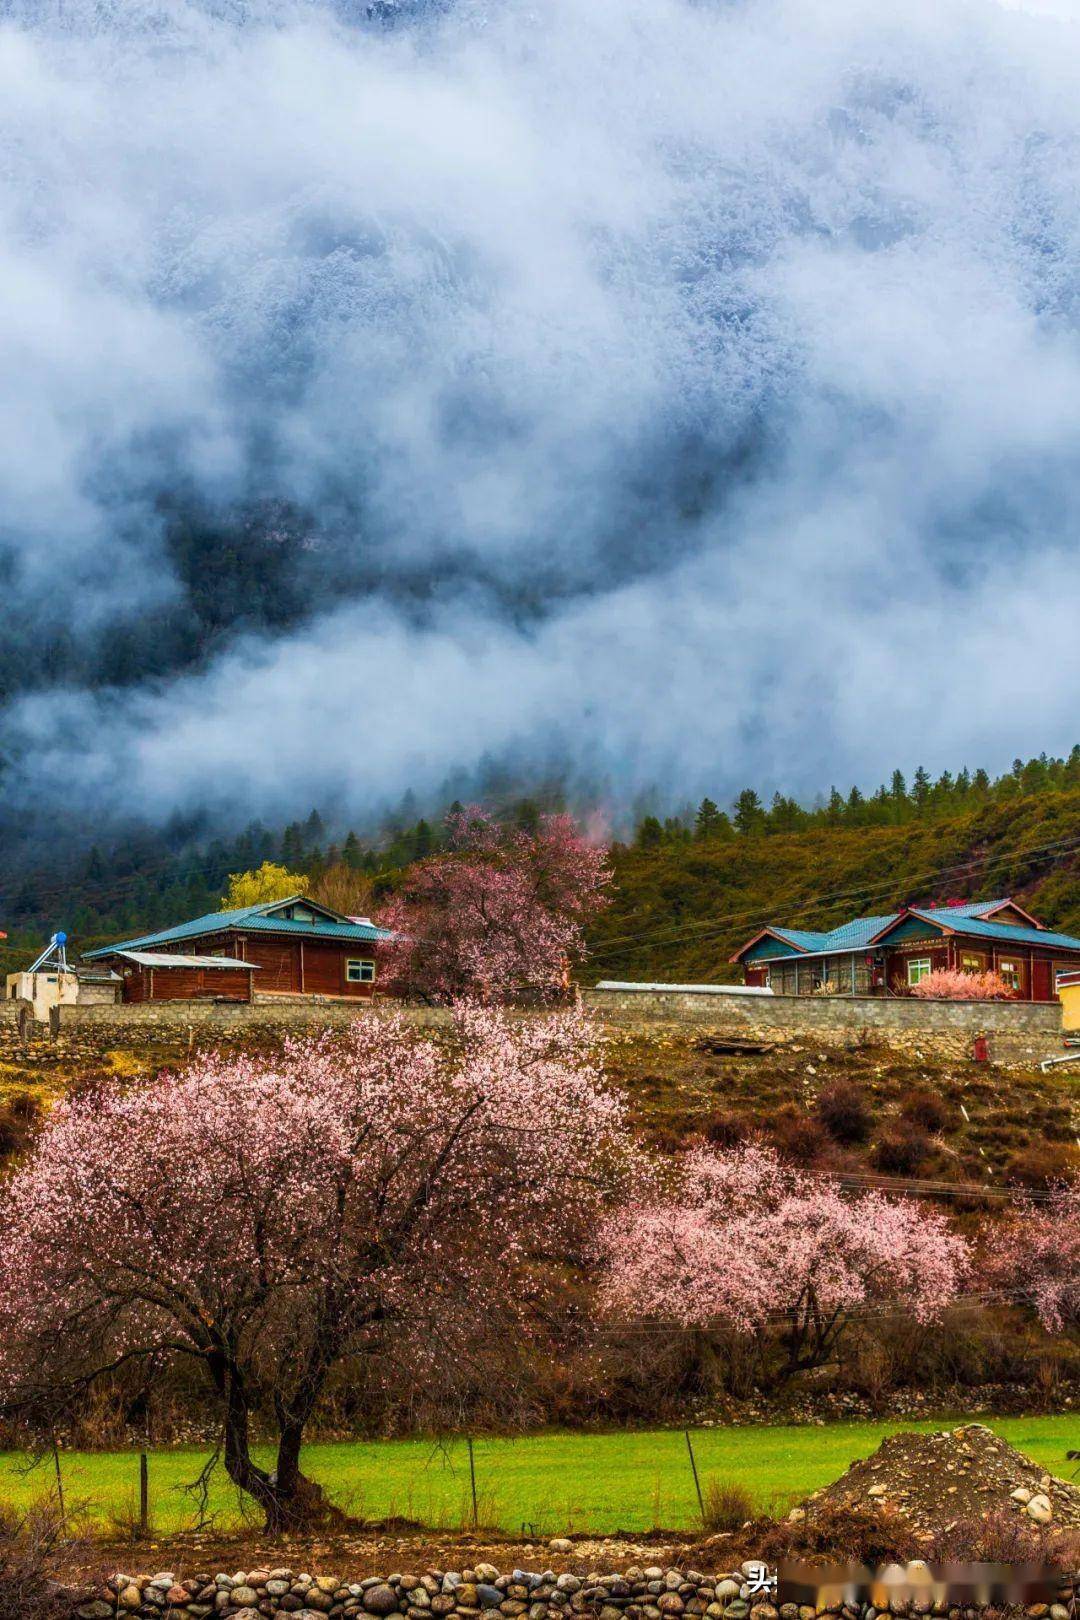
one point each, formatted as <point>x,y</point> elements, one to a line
<point>686,897</point>
<point>689,888</point>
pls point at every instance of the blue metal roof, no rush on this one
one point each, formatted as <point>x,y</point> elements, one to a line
<point>967,918</point>
<point>994,930</point>
<point>850,936</point>
<point>804,937</point>
<point>253,919</point>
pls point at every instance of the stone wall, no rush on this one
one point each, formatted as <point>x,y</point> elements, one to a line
<point>136,1023</point>
<point>650,1593</point>
<point>1016,1031</point>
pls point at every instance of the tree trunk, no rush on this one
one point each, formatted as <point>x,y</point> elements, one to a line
<point>289,1500</point>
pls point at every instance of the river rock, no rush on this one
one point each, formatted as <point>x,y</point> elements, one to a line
<point>381,1599</point>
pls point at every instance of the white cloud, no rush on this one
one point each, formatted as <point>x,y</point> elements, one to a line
<point>691,386</point>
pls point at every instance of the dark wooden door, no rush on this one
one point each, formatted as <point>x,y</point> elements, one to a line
<point>1042,981</point>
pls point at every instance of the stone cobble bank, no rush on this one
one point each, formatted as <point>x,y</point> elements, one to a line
<point>638,1593</point>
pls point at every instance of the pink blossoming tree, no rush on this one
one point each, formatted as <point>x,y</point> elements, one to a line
<point>501,912</point>
<point>1035,1256</point>
<point>745,1245</point>
<point>950,984</point>
<point>265,1217</point>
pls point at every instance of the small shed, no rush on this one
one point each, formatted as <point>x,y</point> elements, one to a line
<point>169,976</point>
<point>1068,989</point>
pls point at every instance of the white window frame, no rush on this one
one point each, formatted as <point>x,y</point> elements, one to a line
<point>1012,972</point>
<point>918,969</point>
<point>361,977</point>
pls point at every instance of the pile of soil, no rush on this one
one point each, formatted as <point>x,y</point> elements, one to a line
<point>933,1481</point>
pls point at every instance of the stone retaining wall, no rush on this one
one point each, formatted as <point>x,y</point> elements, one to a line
<point>1017,1031</point>
<point>650,1593</point>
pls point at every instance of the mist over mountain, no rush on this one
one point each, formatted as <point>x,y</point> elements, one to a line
<point>663,392</point>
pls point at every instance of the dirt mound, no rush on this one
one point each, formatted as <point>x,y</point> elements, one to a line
<point>933,1481</point>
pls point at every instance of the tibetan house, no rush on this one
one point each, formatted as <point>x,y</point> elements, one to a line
<point>889,955</point>
<point>281,948</point>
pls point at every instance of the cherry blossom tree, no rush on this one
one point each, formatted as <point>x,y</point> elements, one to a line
<point>501,912</point>
<point>745,1244</point>
<point>950,984</point>
<point>263,1217</point>
<point>1035,1256</point>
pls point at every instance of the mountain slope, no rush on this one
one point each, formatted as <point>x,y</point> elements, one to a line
<point>681,908</point>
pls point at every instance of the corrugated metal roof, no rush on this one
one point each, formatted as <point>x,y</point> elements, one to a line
<point>174,959</point>
<point>994,930</point>
<point>851,935</point>
<point>250,919</point>
<point>969,919</point>
<point>806,937</point>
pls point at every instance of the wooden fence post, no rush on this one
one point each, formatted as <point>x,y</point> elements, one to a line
<point>472,1482</point>
<point>697,1482</point>
<point>59,1481</point>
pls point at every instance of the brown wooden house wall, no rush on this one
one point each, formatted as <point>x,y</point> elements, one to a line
<point>186,984</point>
<point>1038,965</point>
<point>284,966</point>
<point>311,967</point>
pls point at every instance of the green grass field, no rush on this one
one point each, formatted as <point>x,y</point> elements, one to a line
<point>545,1483</point>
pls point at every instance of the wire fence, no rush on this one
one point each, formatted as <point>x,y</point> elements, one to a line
<point>537,1485</point>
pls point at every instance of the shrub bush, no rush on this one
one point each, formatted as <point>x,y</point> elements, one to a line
<point>798,1136</point>
<point>926,1111</point>
<point>901,1150</point>
<point>29,1545</point>
<point>728,1505</point>
<point>1048,1164</point>
<point>842,1535</point>
<point>1004,1537</point>
<point>18,1116</point>
<point>727,1130</point>
<point>845,1113</point>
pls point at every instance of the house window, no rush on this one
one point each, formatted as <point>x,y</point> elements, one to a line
<point>1010,972</point>
<point>971,964</point>
<point>358,972</point>
<point>918,969</point>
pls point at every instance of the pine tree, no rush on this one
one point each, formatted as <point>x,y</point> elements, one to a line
<point>351,852</point>
<point>708,820</point>
<point>749,815</point>
<point>920,789</point>
<point>422,840</point>
<point>650,834</point>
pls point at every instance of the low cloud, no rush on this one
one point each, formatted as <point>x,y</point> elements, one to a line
<point>683,391</point>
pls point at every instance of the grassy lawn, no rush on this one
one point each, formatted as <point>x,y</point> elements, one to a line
<point>547,1483</point>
